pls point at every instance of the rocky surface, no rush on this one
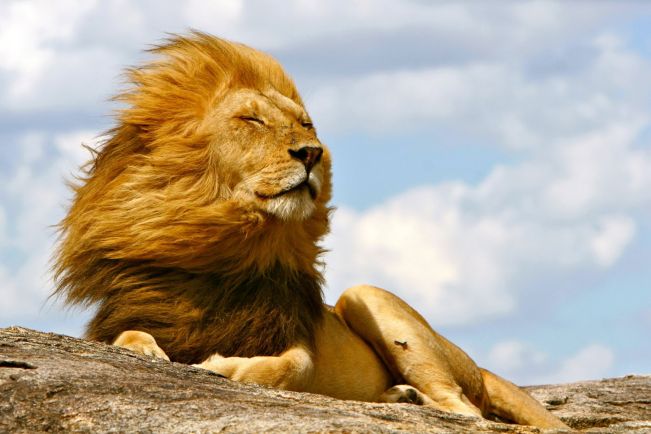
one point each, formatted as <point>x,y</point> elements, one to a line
<point>56,383</point>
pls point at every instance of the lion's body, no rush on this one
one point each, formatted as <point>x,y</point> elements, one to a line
<point>196,231</point>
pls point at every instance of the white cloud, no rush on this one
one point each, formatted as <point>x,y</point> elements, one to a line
<point>600,170</point>
<point>591,362</point>
<point>71,145</point>
<point>613,235</point>
<point>404,99</point>
<point>3,227</point>
<point>224,15</point>
<point>497,27</point>
<point>266,25</point>
<point>512,357</point>
<point>28,31</point>
<point>495,101</point>
<point>464,253</point>
<point>33,193</point>
<point>419,246</point>
<point>523,363</point>
<point>67,54</point>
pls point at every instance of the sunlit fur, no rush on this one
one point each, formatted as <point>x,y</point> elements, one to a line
<point>170,230</point>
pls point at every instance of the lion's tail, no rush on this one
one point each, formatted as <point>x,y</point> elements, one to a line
<point>510,402</point>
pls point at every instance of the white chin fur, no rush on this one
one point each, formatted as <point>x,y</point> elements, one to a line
<point>295,205</point>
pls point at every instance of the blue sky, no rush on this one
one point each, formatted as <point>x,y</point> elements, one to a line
<point>492,160</point>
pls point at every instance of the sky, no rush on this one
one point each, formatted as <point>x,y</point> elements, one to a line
<point>492,159</point>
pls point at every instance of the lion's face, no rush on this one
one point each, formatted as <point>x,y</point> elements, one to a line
<point>214,166</point>
<point>268,153</point>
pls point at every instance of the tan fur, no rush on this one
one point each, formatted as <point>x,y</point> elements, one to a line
<point>195,233</point>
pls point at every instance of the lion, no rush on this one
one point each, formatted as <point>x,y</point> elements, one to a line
<point>195,233</point>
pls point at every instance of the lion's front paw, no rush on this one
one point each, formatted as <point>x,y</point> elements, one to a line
<point>214,363</point>
<point>405,393</point>
<point>140,342</point>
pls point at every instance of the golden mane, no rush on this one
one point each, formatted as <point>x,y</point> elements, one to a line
<point>153,238</point>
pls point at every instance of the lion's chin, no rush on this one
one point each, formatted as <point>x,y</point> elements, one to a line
<point>292,206</point>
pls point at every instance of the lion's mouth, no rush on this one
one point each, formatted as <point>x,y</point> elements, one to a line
<point>299,186</point>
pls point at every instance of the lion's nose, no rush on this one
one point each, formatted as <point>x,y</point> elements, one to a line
<point>309,155</point>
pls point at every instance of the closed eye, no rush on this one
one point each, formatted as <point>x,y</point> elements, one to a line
<point>307,125</point>
<point>251,119</point>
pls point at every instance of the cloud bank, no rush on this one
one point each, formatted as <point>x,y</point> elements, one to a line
<point>561,89</point>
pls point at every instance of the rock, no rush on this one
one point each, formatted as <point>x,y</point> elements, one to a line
<point>55,383</point>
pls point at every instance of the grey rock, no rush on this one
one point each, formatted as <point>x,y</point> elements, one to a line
<point>55,383</point>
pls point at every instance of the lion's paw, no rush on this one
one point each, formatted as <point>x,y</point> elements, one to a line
<point>142,343</point>
<point>214,363</point>
<point>404,393</point>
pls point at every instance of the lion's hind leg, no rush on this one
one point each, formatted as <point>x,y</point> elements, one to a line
<point>431,365</point>
<point>413,352</point>
<point>510,402</point>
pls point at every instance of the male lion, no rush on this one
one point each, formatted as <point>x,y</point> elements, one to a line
<point>196,230</point>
